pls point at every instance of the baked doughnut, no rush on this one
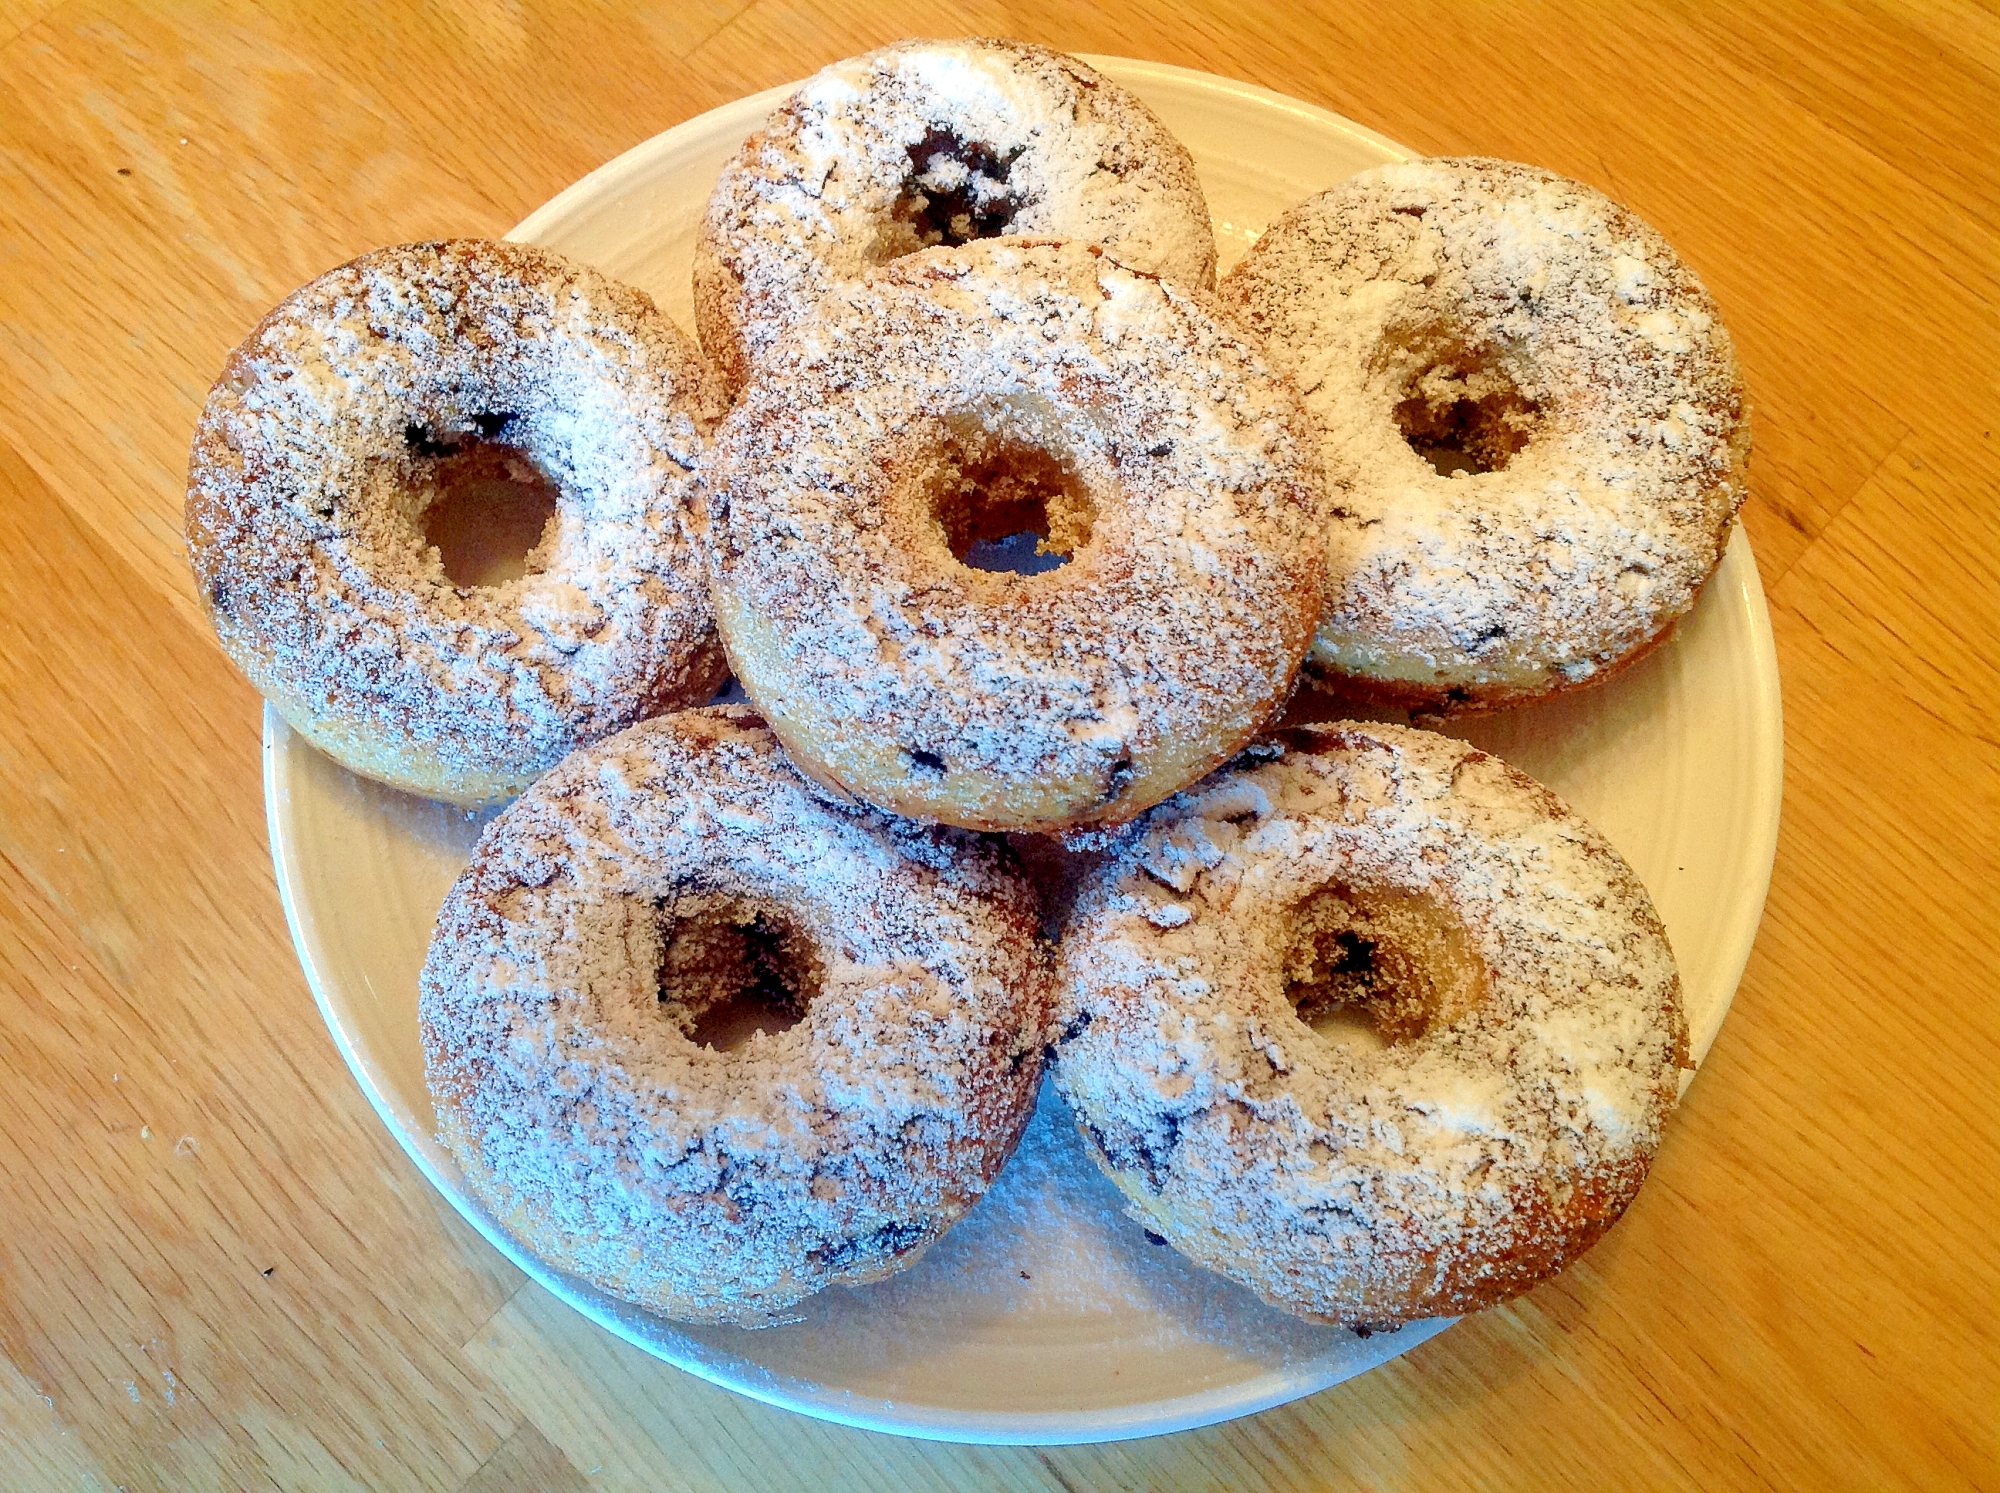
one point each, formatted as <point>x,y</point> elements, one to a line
<point>466,384</point>
<point>936,142</point>
<point>675,869</point>
<point>1549,349</point>
<point>1495,1110</point>
<point>959,396</point>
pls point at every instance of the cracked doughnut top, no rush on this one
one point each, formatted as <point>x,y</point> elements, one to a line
<point>436,378</point>
<point>612,908</point>
<point>936,142</point>
<point>1512,1041</point>
<point>1548,350</point>
<point>960,396</point>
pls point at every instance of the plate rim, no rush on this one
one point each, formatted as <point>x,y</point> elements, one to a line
<point>1767,751</point>
<point>1248,1396</point>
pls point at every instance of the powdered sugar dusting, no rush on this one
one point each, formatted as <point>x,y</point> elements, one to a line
<point>1460,281</point>
<point>1051,1244</point>
<point>313,461</point>
<point>937,141</point>
<point>1001,700</point>
<point>726,1186</point>
<point>1443,1172</point>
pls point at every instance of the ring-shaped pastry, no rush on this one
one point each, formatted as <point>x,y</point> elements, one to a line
<point>936,142</point>
<point>473,378</point>
<point>1530,415</point>
<point>1513,1032</point>
<point>961,396</point>
<point>653,883</point>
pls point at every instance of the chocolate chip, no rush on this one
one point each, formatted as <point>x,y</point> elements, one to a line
<point>980,207</point>
<point>419,440</point>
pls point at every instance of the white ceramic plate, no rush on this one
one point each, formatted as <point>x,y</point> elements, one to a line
<point>1045,1316</point>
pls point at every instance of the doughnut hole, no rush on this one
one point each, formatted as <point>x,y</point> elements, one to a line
<point>1462,410</point>
<point>731,967</point>
<point>485,507</point>
<point>1007,496</point>
<point>955,192</point>
<point>1368,967</point>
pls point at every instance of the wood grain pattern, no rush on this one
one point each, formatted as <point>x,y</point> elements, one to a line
<point>216,1271</point>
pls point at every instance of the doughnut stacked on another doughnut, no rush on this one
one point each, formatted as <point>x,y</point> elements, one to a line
<point>362,400</point>
<point>665,872</point>
<point>936,142</point>
<point>959,395</point>
<point>1509,957</point>
<point>1539,338</point>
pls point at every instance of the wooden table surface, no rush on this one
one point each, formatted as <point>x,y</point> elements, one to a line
<point>218,1271</point>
